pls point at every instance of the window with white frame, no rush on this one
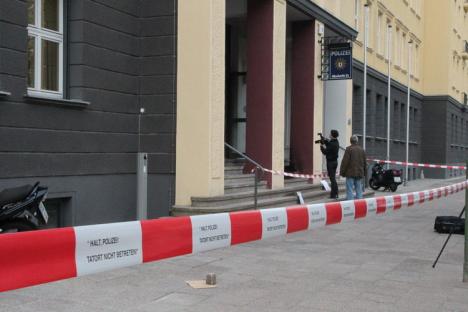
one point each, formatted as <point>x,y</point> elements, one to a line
<point>45,48</point>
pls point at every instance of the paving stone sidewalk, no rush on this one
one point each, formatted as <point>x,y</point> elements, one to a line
<point>382,263</point>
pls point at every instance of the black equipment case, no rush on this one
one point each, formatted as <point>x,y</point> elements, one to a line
<point>449,224</point>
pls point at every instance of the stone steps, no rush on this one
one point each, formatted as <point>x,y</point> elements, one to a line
<point>240,197</point>
<point>239,193</point>
<point>290,200</point>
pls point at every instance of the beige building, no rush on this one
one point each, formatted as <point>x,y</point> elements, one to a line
<point>446,49</point>
<point>250,75</point>
<point>435,64</point>
<point>438,30</point>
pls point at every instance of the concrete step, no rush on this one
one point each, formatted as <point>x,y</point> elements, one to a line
<point>243,187</point>
<point>234,161</point>
<point>309,197</point>
<point>247,196</point>
<point>233,169</point>
<point>233,186</point>
<point>234,179</point>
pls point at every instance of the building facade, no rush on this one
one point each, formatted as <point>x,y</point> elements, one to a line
<point>73,77</point>
<point>431,58</point>
<point>248,75</point>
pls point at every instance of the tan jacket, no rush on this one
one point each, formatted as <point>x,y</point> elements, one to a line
<point>354,163</point>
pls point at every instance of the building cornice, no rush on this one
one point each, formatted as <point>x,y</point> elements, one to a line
<point>325,17</point>
<point>446,98</point>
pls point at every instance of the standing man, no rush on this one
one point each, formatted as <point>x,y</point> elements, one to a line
<point>330,149</point>
<point>353,168</point>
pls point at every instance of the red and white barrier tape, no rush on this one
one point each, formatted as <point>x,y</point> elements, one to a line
<point>31,258</point>
<point>298,175</point>
<point>402,163</point>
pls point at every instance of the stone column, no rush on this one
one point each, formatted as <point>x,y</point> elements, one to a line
<point>200,99</point>
<point>302,104</point>
<point>266,49</point>
<point>318,101</point>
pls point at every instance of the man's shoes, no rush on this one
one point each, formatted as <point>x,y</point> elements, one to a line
<point>334,196</point>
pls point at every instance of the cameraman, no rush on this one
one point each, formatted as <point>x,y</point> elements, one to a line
<point>330,148</point>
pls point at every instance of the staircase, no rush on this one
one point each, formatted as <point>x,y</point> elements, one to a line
<point>239,194</point>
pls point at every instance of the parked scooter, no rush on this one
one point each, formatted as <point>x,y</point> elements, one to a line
<point>22,208</point>
<point>388,179</point>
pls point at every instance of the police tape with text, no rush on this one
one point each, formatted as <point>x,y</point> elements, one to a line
<point>51,255</point>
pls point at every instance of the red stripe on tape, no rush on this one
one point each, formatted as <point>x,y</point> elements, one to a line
<point>381,204</point>
<point>422,197</point>
<point>431,195</point>
<point>397,202</point>
<point>246,226</point>
<point>36,257</point>
<point>334,213</point>
<point>439,193</point>
<point>410,199</point>
<point>298,218</point>
<point>165,238</point>
<point>360,208</point>
<point>446,191</point>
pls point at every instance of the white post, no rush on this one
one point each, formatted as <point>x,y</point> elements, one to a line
<point>408,102</point>
<point>142,177</point>
<point>389,46</point>
<point>366,35</point>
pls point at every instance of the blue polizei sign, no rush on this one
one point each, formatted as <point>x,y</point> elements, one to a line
<point>341,61</point>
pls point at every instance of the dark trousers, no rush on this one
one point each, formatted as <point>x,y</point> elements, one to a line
<point>331,169</point>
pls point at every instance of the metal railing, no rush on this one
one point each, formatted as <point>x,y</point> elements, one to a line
<point>259,170</point>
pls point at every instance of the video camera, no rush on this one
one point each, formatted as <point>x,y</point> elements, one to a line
<point>323,140</point>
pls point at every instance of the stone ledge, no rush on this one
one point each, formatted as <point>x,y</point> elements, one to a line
<point>58,102</point>
<point>4,94</point>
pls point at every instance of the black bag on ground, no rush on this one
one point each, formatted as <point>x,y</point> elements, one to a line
<point>446,224</point>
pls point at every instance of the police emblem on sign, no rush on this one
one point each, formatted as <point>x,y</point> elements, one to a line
<point>340,61</point>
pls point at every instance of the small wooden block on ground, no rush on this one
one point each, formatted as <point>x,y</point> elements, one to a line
<point>200,284</point>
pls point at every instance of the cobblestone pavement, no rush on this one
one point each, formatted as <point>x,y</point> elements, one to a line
<point>382,263</point>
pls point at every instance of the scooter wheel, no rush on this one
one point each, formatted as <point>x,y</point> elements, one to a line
<point>373,185</point>
<point>393,187</point>
<point>15,226</point>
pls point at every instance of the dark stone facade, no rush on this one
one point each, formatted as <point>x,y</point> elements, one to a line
<point>446,142</point>
<point>119,56</point>
<point>438,125</point>
<point>376,117</point>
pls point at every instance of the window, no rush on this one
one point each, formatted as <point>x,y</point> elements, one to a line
<point>452,127</point>
<point>397,47</point>
<point>402,50</point>
<point>403,122</point>
<point>396,121</point>
<point>411,128</point>
<point>415,121</point>
<point>385,118</point>
<point>388,36</point>
<point>357,4</point>
<point>45,48</point>
<point>379,33</point>
<point>416,60</point>
<point>466,135</point>
<point>462,132</point>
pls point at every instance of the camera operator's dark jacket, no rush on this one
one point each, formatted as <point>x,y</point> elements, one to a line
<point>354,163</point>
<point>331,149</point>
